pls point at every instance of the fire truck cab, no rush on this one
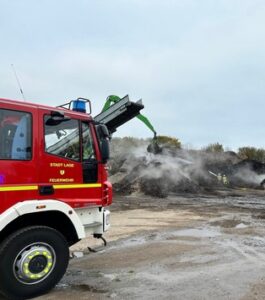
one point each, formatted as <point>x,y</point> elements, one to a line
<point>53,191</point>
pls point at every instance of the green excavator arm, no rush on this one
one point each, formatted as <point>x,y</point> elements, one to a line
<point>154,146</point>
<point>114,99</point>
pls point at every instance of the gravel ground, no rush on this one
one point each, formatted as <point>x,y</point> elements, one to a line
<point>182,247</point>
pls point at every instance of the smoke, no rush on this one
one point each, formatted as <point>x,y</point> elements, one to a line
<point>247,177</point>
<point>133,169</point>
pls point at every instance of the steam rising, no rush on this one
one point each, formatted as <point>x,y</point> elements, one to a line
<point>133,169</point>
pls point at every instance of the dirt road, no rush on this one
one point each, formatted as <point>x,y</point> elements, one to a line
<point>175,248</point>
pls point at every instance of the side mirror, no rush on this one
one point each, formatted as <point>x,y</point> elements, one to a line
<point>105,150</point>
<point>103,135</point>
<point>103,131</point>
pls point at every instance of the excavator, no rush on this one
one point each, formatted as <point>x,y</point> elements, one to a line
<point>117,111</point>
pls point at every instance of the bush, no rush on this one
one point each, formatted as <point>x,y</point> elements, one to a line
<point>125,145</point>
<point>214,148</point>
<point>169,141</point>
<point>252,153</point>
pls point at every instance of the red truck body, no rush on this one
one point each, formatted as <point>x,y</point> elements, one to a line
<point>22,180</point>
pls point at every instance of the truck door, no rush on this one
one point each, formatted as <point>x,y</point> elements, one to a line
<point>18,171</point>
<point>68,164</point>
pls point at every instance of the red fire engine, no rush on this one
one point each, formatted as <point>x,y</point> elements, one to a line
<point>53,187</point>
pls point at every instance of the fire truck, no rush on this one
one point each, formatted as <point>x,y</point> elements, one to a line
<point>54,189</point>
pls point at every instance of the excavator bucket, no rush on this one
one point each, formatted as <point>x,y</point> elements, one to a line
<point>154,147</point>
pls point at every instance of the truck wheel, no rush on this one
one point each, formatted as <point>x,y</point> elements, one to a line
<point>32,261</point>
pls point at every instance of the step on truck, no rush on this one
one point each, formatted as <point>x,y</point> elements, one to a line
<point>54,189</point>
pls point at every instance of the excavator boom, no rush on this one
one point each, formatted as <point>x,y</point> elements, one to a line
<point>117,111</point>
<point>111,116</point>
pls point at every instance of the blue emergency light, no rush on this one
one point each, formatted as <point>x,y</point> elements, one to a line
<point>79,105</point>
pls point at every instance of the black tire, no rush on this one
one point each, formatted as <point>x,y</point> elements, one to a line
<point>15,282</point>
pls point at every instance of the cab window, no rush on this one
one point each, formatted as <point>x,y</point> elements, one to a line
<point>88,150</point>
<point>62,138</point>
<point>15,135</point>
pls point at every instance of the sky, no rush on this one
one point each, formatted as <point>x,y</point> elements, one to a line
<point>198,65</point>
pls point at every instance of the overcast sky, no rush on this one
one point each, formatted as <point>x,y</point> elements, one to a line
<point>198,65</point>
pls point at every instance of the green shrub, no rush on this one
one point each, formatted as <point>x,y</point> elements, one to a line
<point>252,153</point>
<point>171,142</point>
<point>125,144</point>
<point>214,148</point>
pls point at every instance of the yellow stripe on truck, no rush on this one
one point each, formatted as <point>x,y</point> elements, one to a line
<point>19,188</point>
<point>56,187</point>
<point>77,186</point>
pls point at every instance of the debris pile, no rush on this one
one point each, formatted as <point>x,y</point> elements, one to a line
<point>134,170</point>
